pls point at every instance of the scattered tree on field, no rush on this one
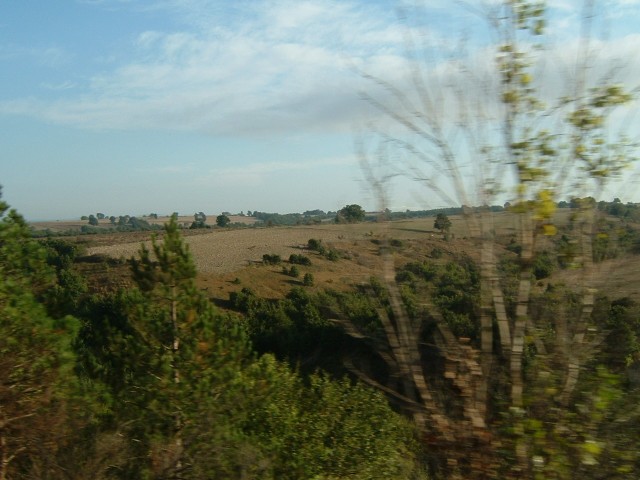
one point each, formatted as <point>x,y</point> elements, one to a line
<point>350,214</point>
<point>308,280</point>
<point>222,220</point>
<point>442,223</point>
<point>199,220</point>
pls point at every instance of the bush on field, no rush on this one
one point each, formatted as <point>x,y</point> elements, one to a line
<point>271,259</point>
<point>299,259</point>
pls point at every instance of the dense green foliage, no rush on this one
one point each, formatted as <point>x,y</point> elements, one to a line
<point>578,438</point>
<point>350,214</point>
<point>40,405</point>
<point>153,382</point>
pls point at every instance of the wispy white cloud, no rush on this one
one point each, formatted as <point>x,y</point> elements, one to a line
<point>261,68</point>
<point>284,68</point>
<point>259,174</point>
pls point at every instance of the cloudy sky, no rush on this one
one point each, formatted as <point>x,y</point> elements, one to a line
<point>139,106</point>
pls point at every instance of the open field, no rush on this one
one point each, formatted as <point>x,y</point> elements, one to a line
<point>229,259</point>
<point>223,251</point>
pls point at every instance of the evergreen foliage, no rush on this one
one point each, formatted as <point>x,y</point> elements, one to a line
<point>37,390</point>
<point>193,401</point>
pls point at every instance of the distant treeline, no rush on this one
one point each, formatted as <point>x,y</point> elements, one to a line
<point>308,217</point>
<point>628,211</point>
<point>123,223</point>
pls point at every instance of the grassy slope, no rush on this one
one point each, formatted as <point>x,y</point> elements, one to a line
<point>230,260</point>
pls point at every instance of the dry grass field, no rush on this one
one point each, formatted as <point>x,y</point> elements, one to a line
<point>229,259</point>
<point>226,258</point>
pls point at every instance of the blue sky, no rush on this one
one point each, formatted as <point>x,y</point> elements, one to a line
<point>139,106</point>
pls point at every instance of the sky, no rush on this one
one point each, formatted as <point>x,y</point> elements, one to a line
<point>140,106</point>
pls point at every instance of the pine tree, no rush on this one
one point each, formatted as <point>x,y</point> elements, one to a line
<point>35,357</point>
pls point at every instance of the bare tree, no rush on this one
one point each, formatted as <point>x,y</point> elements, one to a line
<point>472,136</point>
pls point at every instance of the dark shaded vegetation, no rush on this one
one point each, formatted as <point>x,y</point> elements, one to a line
<point>271,259</point>
<point>299,259</point>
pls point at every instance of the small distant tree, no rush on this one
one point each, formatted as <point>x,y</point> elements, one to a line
<point>222,220</point>
<point>100,216</point>
<point>350,214</point>
<point>442,223</point>
<point>113,220</point>
<point>199,220</point>
<point>93,220</point>
<point>84,218</point>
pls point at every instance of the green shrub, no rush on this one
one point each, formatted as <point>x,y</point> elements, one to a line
<point>425,270</point>
<point>294,272</point>
<point>308,280</point>
<point>405,276</point>
<point>514,247</point>
<point>332,255</point>
<point>271,259</point>
<point>543,266</point>
<point>315,245</point>
<point>299,259</point>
